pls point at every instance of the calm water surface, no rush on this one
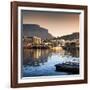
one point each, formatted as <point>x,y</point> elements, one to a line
<point>39,62</point>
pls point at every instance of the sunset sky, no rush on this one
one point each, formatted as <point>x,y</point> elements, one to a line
<point>57,23</point>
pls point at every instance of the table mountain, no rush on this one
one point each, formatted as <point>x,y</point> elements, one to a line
<point>36,30</point>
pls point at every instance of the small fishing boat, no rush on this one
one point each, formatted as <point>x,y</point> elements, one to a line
<point>70,67</point>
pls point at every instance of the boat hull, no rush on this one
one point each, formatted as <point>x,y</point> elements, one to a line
<point>67,68</point>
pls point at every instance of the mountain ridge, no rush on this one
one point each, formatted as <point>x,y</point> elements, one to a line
<point>36,30</point>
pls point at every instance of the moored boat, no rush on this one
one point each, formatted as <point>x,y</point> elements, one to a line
<point>69,67</point>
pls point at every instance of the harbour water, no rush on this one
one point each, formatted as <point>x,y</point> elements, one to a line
<point>41,62</point>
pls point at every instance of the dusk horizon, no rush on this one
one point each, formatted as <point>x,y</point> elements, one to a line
<point>51,33</point>
<point>57,23</point>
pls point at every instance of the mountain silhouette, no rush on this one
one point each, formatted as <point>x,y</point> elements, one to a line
<point>72,36</point>
<point>36,30</point>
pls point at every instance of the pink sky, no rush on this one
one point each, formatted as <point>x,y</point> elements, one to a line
<point>58,24</point>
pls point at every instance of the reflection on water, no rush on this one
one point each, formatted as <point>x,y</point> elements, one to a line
<point>41,62</point>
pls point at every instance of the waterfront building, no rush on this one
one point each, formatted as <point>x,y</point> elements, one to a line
<point>31,40</point>
<point>36,40</point>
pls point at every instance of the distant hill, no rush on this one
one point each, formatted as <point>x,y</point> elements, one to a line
<point>36,30</point>
<point>70,36</point>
